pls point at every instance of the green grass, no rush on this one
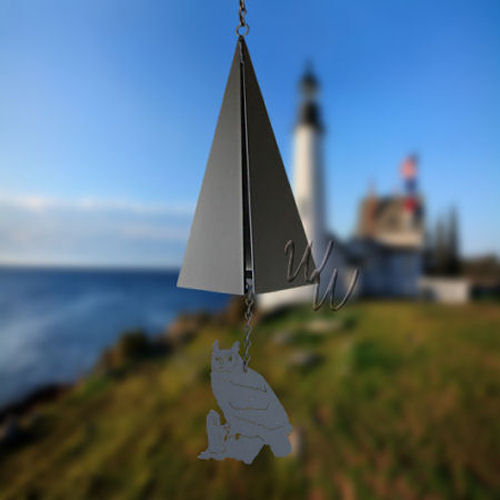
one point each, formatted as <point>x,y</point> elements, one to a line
<point>404,405</point>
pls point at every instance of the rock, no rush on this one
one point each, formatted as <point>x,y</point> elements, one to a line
<point>39,396</point>
<point>304,359</point>
<point>234,313</point>
<point>105,363</point>
<point>185,328</point>
<point>297,440</point>
<point>324,326</point>
<point>323,415</point>
<point>133,344</point>
<point>34,419</point>
<point>10,432</point>
<point>283,337</point>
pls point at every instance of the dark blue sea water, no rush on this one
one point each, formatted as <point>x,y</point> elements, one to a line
<point>55,323</point>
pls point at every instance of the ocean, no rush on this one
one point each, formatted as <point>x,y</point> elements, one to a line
<point>54,323</point>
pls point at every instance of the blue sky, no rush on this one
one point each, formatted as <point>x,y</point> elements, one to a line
<point>108,108</point>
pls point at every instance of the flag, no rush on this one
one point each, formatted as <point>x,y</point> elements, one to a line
<point>409,167</point>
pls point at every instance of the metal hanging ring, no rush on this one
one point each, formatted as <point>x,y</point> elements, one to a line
<point>245,27</point>
<point>243,24</point>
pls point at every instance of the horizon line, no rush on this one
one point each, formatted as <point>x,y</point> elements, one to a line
<point>89,266</point>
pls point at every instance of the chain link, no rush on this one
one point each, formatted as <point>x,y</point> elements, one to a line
<point>249,312</point>
<point>243,24</point>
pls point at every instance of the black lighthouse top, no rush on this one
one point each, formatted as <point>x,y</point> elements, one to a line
<point>308,110</point>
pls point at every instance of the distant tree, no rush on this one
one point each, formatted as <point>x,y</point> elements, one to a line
<point>483,269</point>
<point>440,249</point>
<point>453,258</point>
<point>442,252</point>
<point>428,252</point>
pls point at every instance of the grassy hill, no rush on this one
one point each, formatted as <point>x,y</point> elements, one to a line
<point>387,400</point>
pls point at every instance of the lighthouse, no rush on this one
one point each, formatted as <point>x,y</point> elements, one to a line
<point>308,186</point>
<point>308,172</point>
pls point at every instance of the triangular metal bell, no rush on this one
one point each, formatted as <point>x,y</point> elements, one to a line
<point>246,212</point>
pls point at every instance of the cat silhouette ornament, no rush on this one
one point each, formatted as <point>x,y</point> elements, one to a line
<point>253,414</point>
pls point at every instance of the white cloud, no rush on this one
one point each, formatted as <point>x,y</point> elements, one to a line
<point>91,231</point>
<point>39,203</point>
<point>155,232</point>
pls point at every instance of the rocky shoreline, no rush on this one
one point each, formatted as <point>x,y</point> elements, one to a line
<point>17,416</point>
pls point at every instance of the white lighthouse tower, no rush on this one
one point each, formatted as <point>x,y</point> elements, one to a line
<point>308,185</point>
<point>308,166</point>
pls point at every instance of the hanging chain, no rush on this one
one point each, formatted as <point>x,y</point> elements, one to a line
<point>249,311</point>
<point>243,24</point>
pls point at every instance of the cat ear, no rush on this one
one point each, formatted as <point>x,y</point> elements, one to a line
<point>216,345</point>
<point>236,346</point>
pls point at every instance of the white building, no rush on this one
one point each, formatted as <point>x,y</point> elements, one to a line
<point>388,244</point>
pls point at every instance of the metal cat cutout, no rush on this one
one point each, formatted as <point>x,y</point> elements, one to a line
<point>253,414</point>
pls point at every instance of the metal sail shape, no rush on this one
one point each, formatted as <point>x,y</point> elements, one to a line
<point>214,256</point>
<point>246,211</point>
